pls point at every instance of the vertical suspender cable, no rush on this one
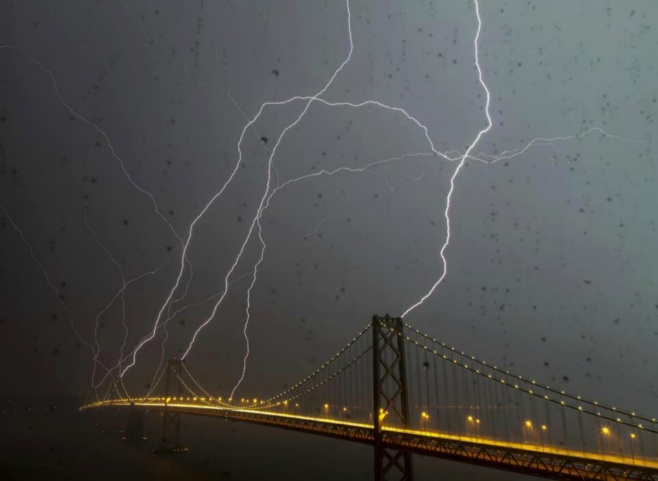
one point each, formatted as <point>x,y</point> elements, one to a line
<point>437,399</point>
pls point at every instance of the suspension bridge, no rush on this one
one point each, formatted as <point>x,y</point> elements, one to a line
<point>405,393</point>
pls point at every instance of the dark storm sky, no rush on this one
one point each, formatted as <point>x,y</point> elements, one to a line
<point>552,268</point>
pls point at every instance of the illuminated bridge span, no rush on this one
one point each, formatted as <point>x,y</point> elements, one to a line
<point>406,393</point>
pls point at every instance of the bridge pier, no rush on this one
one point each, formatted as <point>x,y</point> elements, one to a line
<point>135,428</point>
<point>169,441</point>
<point>390,399</point>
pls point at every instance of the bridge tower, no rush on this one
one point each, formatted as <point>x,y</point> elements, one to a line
<point>113,419</point>
<point>169,442</point>
<point>390,397</point>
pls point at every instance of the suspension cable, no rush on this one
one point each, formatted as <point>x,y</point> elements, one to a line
<point>533,383</point>
<point>319,370</point>
<point>544,397</point>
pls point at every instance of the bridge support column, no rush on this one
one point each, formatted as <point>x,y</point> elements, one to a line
<point>390,406</point>
<point>135,429</point>
<point>169,441</point>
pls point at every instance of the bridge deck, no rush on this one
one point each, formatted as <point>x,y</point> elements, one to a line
<point>546,461</point>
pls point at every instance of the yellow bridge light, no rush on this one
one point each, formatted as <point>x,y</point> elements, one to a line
<point>528,424</point>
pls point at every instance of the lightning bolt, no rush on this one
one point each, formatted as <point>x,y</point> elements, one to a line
<point>460,158</point>
<point>259,215</point>
<point>99,131</point>
<point>265,202</point>
<point>126,281</point>
<point>121,293</point>
<point>47,278</point>
<point>149,337</point>
<point>269,177</point>
<point>170,316</point>
<point>273,186</point>
<point>173,315</point>
<point>265,199</point>
<point>103,134</point>
<point>250,124</point>
<point>493,159</point>
<point>326,219</point>
<point>461,164</point>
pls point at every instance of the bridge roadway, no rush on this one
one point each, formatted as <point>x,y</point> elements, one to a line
<point>544,461</point>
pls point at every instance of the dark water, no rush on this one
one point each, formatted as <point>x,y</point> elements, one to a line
<point>64,444</point>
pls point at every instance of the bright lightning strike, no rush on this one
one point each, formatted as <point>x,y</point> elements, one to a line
<point>273,186</point>
<point>265,202</point>
<point>148,338</point>
<point>201,83</point>
<point>269,177</point>
<point>461,164</point>
<point>462,158</point>
<point>266,198</point>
